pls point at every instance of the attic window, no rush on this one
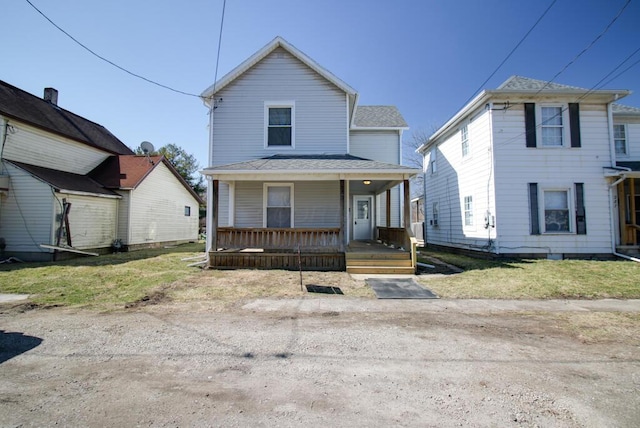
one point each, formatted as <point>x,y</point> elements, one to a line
<point>187,211</point>
<point>279,121</point>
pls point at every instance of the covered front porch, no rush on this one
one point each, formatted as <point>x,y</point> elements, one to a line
<point>320,207</point>
<point>628,196</point>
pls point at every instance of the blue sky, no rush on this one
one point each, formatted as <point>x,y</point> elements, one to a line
<point>425,56</point>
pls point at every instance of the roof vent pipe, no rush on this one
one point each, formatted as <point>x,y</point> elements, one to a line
<point>51,95</point>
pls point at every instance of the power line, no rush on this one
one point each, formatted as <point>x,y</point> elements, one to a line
<point>511,53</point>
<point>593,42</point>
<point>215,77</point>
<point>106,60</point>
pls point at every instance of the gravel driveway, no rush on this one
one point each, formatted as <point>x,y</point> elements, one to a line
<point>325,361</point>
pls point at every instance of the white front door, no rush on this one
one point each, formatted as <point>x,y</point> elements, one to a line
<point>362,217</point>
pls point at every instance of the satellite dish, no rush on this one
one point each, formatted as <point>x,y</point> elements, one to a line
<point>147,147</point>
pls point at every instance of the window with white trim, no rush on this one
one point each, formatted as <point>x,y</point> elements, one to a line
<point>620,139</point>
<point>468,210</point>
<point>464,137</point>
<point>278,205</point>
<point>552,126</point>
<point>280,124</point>
<point>556,211</point>
<point>432,161</point>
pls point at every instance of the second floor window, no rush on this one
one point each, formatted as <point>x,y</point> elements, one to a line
<point>279,132</point>
<point>620,139</point>
<point>551,126</point>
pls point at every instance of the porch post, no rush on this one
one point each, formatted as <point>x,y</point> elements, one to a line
<point>622,209</point>
<point>407,206</point>
<point>214,215</point>
<point>342,214</point>
<point>388,208</point>
<point>632,209</point>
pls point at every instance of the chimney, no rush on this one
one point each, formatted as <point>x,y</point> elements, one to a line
<point>51,95</point>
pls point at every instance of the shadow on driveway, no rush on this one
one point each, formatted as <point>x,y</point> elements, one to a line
<point>14,343</point>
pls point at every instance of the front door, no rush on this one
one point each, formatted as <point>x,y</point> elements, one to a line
<point>363,213</point>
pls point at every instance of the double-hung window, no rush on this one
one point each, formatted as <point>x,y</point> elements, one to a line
<point>434,214</point>
<point>464,137</point>
<point>468,210</point>
<point>556,211</point>
<point>280,124</point>
<point>278,205</point>
<point>620,139</point>
<point>551,125</point>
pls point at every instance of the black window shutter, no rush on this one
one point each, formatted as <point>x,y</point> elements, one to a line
<point>533,208</point>
<point>574,124</point>
<point>530,123</point>
<point>581,219</point>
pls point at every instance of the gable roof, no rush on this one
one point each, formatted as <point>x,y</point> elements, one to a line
<point>66,181</point>
<point>126,172</point>
<point>379,117</point>
<point>23,106</point>
<point>276,43</point>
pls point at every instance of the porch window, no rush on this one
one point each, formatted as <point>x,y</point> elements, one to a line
<point>278,205</point>
<point>620,139</point>
<point>279,121</point>
<point>556,211</point>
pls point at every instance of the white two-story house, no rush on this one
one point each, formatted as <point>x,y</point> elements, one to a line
<point>296,163</point>
<point>535,169</point>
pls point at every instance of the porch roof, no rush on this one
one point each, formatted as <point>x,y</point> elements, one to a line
<point>311,167</point>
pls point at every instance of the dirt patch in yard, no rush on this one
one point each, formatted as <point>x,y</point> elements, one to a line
<point>351,361</point>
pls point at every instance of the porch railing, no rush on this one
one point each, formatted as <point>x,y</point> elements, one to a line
<point>400,237</point>
<point>324,239</point>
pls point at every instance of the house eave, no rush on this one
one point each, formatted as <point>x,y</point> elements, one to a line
<point>94,195</point>
<point>306,175</point>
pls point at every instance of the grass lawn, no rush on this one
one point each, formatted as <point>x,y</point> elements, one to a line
<point>113,281</point>
<point>535,279</point>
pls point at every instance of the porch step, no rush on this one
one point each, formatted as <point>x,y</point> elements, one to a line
<point>379,262</point>
<point>391,255</point>
<point>381,270</point>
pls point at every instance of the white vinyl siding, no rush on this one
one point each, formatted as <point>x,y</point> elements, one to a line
<point>157,210</point>
<point>317,204</point>
<point>516,166</point>
<point>382,146</point>
<point>27,216</point>
<point>456,178</point>
<point>92,220</point>
<point>239,123</point>
<point>35,147</point>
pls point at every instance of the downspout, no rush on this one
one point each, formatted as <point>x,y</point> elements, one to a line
<point>612,188</point>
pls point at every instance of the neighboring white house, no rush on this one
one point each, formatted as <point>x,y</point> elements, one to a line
<point>295,161</point>
<point>61,184</point>
<point>535,169</point>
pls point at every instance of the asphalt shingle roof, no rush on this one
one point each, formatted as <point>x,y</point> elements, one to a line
<point>310,163</point>
<point>379,117</point>
<point>62,180</point>
<point>21,105</point>
<point>622,109</point>
<point>520,83</point>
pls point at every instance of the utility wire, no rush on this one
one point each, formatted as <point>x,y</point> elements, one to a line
<point>510,53</point>
<point>215,77</point>
<point>108,61</point>
<point>587,48</point>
